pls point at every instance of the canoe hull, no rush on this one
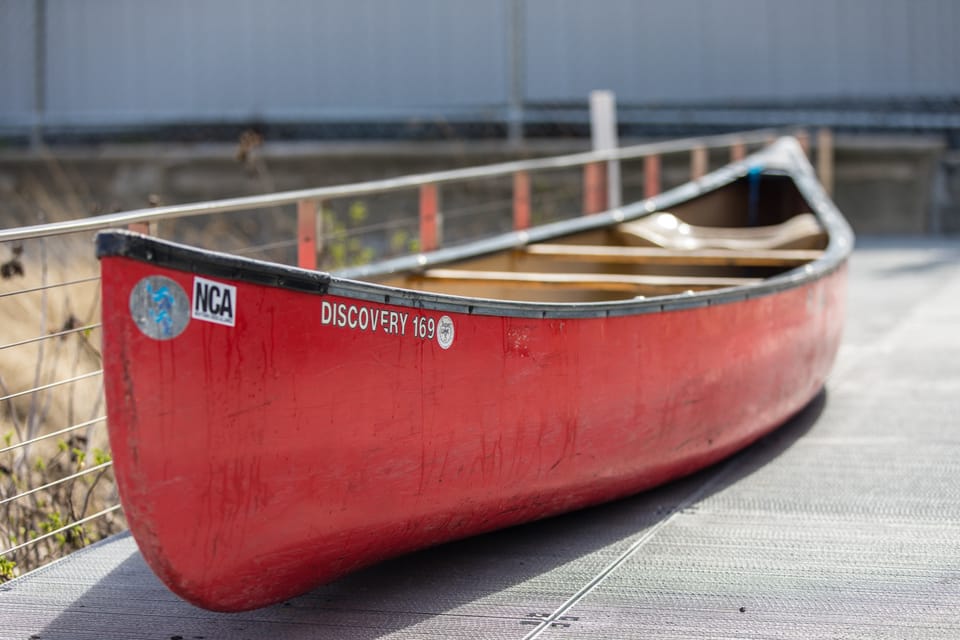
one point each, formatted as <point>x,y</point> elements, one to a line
<point>315,433</point>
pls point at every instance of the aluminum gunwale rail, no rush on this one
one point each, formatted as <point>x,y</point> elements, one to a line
<point>785,156</point>
<point>125,218</point>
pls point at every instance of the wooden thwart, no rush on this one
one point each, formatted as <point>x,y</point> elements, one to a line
<point>595,281</point>
<point>660,255</point>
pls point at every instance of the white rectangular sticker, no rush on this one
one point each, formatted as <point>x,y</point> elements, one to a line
<point>214,301</point>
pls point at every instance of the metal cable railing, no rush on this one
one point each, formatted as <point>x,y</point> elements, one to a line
<point>51,385</point>
<point>60,481</point>
<point>56,334</point>
<point>159,214</point>
<point>61,530</point>
<point>54,434</point>
<point>56,482</point>
<point>57,490</point>
<point>49,286</point>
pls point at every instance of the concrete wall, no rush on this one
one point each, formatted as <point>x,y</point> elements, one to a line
<point>885,185</point>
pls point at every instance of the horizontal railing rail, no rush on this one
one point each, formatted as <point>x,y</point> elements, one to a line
<point>158,214</point>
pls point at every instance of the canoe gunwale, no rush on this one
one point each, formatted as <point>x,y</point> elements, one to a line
<point>136,246</point>
<point>785,157</point>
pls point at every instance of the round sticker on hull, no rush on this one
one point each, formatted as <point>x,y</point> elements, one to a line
<point>159,307</point>
<point>445,332</point>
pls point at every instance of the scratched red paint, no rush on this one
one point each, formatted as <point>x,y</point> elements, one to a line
<point>260,460</point>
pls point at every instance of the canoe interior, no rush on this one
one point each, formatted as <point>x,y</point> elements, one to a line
<point>752,229</point>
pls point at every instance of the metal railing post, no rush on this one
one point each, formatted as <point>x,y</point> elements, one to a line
<point>146,228</point>
<point>698,162</point>
<point>738,151</point>
<point>594,187</point>
<point>825,159</point>
<point>603,135</point>
<point>803,137</point>
<point>521,200</point>
<point>431,231</point>
<point>307,233</point>
<point>651,176</point>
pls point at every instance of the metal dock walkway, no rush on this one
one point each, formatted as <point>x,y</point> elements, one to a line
<point>845,523</point>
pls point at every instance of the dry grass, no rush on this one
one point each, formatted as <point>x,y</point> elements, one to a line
<point>31,307</point>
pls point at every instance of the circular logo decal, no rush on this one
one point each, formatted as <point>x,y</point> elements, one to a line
<point>445,332</point>
<point>159,307</point>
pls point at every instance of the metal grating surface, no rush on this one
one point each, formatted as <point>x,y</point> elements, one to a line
<point>845,523</point>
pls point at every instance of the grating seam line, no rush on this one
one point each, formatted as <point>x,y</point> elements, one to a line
<point>648,535</point>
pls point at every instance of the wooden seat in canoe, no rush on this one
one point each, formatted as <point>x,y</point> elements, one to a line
<point>670,232</point>
<point>662,256</point>
<point>595,281</point>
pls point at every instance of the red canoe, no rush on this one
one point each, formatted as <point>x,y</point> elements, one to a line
<point>274,428</point>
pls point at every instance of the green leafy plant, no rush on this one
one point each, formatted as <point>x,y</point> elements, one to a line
<point>342,245</point>
<point>7,569</point>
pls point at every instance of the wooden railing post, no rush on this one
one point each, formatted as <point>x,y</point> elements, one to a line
<point>651,176</point>
<point>594,187</point>
<point>825,159</point>
<point>698,162</point>
<point>307,234</point>
<point>521,200</point>
<point>431,230</point>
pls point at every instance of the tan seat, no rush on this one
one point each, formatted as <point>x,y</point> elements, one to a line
<point>670,232</point>
<point>599,281</point>
<point>600,254</point>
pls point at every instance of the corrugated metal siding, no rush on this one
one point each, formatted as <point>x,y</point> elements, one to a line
<point>212,59</point>
<point>702,50</point>
<point>16,61</point>
<point>115,62</point>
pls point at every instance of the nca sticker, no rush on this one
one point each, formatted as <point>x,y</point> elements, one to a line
<point>214,301</point>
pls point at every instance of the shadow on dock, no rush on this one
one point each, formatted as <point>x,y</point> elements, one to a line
<point>501,577</point>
